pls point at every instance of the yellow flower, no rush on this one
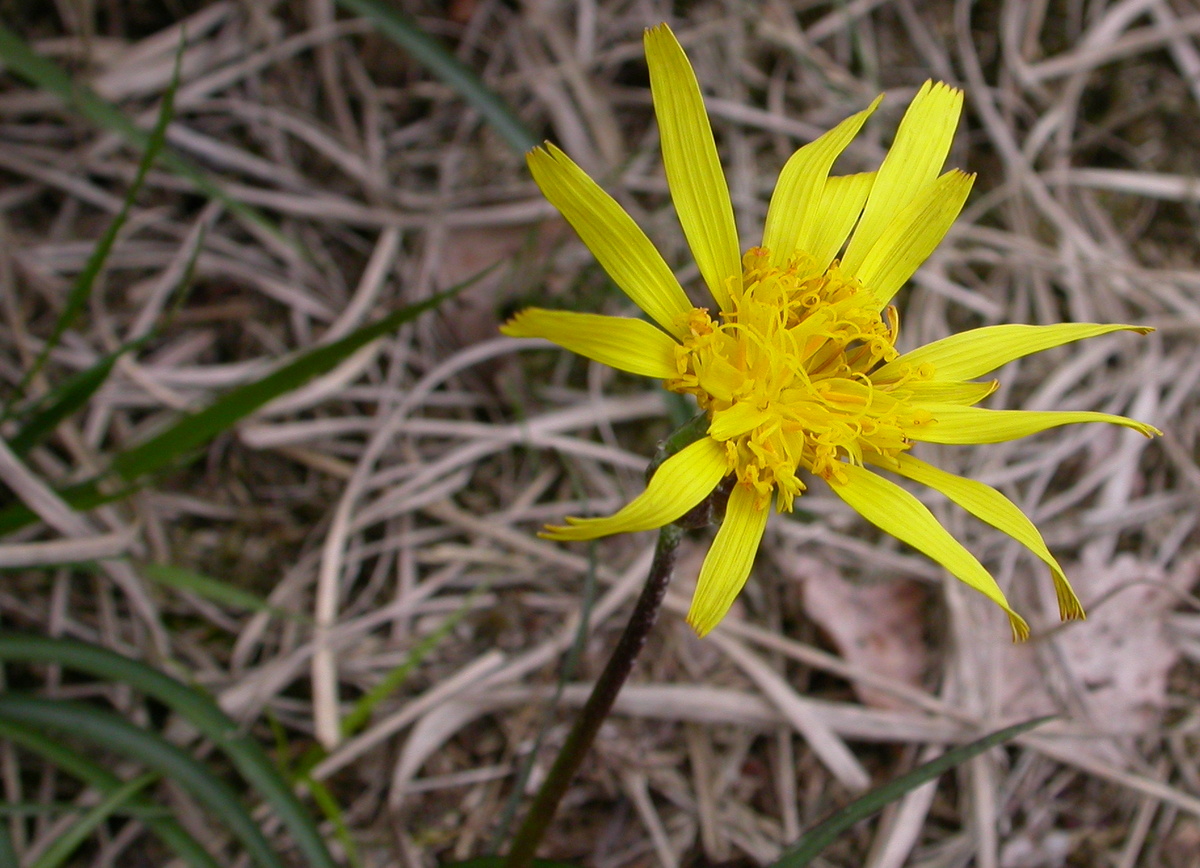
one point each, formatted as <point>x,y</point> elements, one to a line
<point>800,370</point>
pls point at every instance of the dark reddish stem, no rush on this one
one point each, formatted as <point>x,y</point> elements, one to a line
<point>599,703</point>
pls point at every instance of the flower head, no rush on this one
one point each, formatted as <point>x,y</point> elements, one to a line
<point>797,367</point>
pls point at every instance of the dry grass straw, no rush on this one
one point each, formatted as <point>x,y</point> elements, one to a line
<point>403,488</point>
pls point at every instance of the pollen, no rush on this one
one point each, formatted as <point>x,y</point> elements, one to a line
<point>785,376</point>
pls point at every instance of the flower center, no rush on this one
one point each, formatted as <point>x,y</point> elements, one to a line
<point>785,376</point>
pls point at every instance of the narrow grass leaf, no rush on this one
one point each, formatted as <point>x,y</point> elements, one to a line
<point>41,71</point>
<point>82,497</point>
<point>81,290</point>
<point>59,403</point>
<point>247,755</point>
<point>826,832</point>
<point>498,862</point>
<point>333,812</point>
<point>8,856</point>
<point>361,713</point>
<point>45,413</point>
<point>60,809</point>
<point>196,429</point>
<point>359,716</point>
<point>64,845</point>
<point>157,818</point>
<point>215,590</point>
<point>111,732</point>
<point>397,26</point>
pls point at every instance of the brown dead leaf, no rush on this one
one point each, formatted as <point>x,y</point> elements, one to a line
<point>875,625</point>
<point>1110,670</point>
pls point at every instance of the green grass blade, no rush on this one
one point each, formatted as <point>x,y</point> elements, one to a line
<point>498,862</point>
<point>39,70</point>
<point>45,413</point>
<point>8,856</point>
<point>96,776</point>
<point>62,401</point>
<point>247,755</point>
<point>823,834</point>
<point>59,809</point>
<point>44,73</point>
<point>196,429</point>
<point>333,812</point>
<point>365,706</point>
<point>82,497</point>
<point>81,290</point>
<point>215,590</point>
<point>397,26</point>
<point>62,847</point>
<point>111,732</point>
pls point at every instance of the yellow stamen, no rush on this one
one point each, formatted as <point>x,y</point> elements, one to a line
<point>785,376</point>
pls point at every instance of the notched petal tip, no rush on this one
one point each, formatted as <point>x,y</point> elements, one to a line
<point>938,98</point>
<point>515,326</point>
<point>1020,629</point>
<point>658,31</point>
<point>659,40</point>
<point>575,530</point>
<point>940,86</point>
<point>1144,428</point>
<point>1069,607</point>
<point>545,154</point>
<point>539,152</point>
<point>703,619</point>
<point>700,629</point>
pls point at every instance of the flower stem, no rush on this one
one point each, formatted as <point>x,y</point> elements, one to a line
<point>599,703</point>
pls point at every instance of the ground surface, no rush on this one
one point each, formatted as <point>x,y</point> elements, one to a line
<point>396,498</point>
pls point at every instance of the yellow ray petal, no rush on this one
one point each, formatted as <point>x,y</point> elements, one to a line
<point>988,504</point>
<point>973,353</point>
<point>915,159</point>
<point>736,420</point>
<point>728,563</point>
<point>937,392</point>
<point>621,248</point>
<point>841,206</point>
<point>680,482</point>
<point>893,510</point>
<point>796,203</point>
<point>961,425</point>
<point>694,174</point>
<point>626,344</point>
<point>913,234</point>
